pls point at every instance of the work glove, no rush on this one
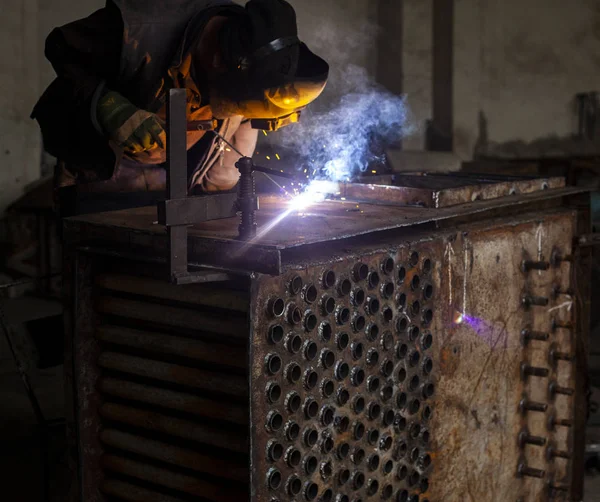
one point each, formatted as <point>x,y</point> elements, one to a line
<point>130,128</point>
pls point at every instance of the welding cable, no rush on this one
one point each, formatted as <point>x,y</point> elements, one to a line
<point>242,155</point>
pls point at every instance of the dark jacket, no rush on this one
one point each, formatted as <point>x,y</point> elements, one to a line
<point>129,46</point>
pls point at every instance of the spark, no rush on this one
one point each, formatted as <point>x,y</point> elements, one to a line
<point>264,132</point>
<point>278,157</point>
<point>228,149</point>
<point>458,318</point>
<point>343,198</point>
<point>374,172</point>
<point>268,158</point>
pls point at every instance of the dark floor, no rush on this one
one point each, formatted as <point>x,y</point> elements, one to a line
<point>20,452</point>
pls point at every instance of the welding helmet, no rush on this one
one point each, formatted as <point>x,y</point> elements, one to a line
<point>271,75</point>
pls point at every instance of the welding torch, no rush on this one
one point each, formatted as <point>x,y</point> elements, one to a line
<point>211,126</point>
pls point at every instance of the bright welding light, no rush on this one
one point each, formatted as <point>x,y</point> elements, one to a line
<point>458,318</point>
<point>316,191</point>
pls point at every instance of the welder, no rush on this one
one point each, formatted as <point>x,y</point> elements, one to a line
<point>103,117</point>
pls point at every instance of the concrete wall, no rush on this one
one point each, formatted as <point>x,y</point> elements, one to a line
<point>517,67</point>
<point>24,74</point>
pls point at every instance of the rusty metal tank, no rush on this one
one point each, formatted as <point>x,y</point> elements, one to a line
<point>418,341</point>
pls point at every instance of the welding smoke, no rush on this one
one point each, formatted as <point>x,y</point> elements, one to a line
<point>345,132</point>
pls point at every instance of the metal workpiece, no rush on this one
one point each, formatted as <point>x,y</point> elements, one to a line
<point>352,414</point>
<point>347,354</point>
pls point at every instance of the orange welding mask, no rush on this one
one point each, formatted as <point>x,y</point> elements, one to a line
<point>272,85</point>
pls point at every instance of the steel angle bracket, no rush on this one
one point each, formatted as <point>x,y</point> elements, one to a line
<point>179,210</point>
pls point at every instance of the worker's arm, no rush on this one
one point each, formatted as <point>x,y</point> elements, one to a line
<point>224,175</point>
<point>78,113</point>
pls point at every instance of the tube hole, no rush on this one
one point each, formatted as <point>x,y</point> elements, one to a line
<point>372,384</point>
<point>310,293</point>
<point>327,388</point>
<point>358,376</point>
<point>415,283</point>
<point>294,486</point>
<point>343,315</point>
<point>427,366</point>
<point>373,462</point>
<point>386,393</point>
<point>310,321</point>
<point>358,323</point>
<point>342,424</point>
<point>325,331</point>
<point>293,457</point>
<point>401,274</point>
<point>274,479</point>
<point>358,404</point>
<point>357,350</point>
<point>327,358</point>
<point>401,324</point>
<point>402,473</point>
<point>373,280</point>
<point>296,285</point>
<point>413,406</point>
<point>387,314</point>
<point>273,364</point>
<point>388,467</point>
<point>275,307</point>
<point>414,383</point>
<point>401,375</point>
<point>292,431</point>
<point>311,378</point>
<point>358,297</point>
<point>374,411</point>
<point>414,358</point>
<point>427,265</point>
<point>401,400</point>
<point>372,305</point>
<point>293,372</point>
<point>387,368</point>
<point>428,292</point>
<point>274,421</point>
<point>387,341</point>
<point>342,370</point>
<point>343,451</point>
<point>372,332</point>
<point>311,436</point>
<point>372,487</point>
<point>401,300</point>
<point>358,455</point>
<point>372,357</point>
<point>387,290</point>
<point>373,436</point>
<point>343,397</point>
<point>427,316</point>
<point>426,341</point>
<point>293,401</point>
<point>428,390</point>
<point>342,340</point>
<point>385,443</point>
<point>310,350</point>
<point>327,416</point>
<point>311,408</point>
<point>275,451</point>
<point>273,392</point>
<point>343,477</point>
<point>387,266</point>
<point>360,272</point>
<point>414,259</point>
<point>329,279</point>
<point>275,334</point>
<point>388,417</point>
<point>359,431</point>
<point>344,287</point>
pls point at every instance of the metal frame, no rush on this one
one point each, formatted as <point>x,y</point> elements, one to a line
<point>180,210</point>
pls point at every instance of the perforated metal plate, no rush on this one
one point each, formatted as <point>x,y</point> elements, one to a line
<point>343,380</point>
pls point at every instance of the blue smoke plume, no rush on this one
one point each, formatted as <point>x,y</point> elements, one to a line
<point>349,137</point>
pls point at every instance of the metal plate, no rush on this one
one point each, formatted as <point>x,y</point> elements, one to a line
<point>342,395</point>
<point>478,421</point>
